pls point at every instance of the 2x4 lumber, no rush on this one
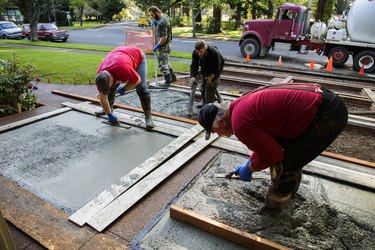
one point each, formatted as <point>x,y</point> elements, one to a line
<point>123,106</point>
<point>368,92</point>
<point>353,177</point>
<point>349,159</point>
<point>120,205</point>
<point>42,222</point>
<point>81,216</point>
<point>32,119</point>
<point>222,230</point>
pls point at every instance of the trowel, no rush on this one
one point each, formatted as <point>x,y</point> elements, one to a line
<point>119,125</point>
<point>231,175</point>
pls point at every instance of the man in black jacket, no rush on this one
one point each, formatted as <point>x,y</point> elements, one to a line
<point>211,62</point>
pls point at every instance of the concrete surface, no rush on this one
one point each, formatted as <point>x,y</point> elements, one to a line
<point>324,214</point>
<point>70,158</point>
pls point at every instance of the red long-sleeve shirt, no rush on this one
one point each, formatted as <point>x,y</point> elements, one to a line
<point>262,119</point>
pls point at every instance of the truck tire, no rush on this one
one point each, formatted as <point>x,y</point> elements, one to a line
<point>366,58</point>
<point>250,46</point>
<point>339,56</point>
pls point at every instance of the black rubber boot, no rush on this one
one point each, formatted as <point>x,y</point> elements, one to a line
<point>173,76</point>
<point>146,106</point>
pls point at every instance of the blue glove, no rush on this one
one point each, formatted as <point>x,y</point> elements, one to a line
<point>156,47</point>
<point>113,119</point>
<point>121,90</point>
<point>154,23</point>
<point>244,172</point>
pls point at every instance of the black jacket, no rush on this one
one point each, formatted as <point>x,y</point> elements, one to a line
<point>211,63</point>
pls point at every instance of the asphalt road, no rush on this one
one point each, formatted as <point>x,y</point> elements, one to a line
<point>114,34</point>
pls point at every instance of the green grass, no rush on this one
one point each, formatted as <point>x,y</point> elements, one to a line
<point>85,25</point>
<point>70,67</point>
<point>82,47</point>
<point>188,32</point>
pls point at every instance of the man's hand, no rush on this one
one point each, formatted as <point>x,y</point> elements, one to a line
<point>154,23</point>
<point>192,81</point>
<point>156,47</point>
<point>121,90</point>
<point>113,119</point>
<point>244,172</point>
<point>209,78</point>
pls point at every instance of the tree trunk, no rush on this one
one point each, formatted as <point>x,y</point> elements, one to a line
<point>217,19</point>
<point>238,15</point>
<point>80,16</point>
<point>320,10</point>
<point>31,10</point>
<point>270,9</point>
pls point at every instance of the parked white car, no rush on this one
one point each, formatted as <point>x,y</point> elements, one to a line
<point>10,30</point>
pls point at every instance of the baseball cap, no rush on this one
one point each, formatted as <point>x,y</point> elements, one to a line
<point>207,116</point>
<point>102,82</point>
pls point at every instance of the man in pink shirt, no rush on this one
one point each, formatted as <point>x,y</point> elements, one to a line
<point>285,125</point>
<point>127,65</point>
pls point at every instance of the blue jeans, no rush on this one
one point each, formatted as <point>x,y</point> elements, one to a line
<point>142,72</point>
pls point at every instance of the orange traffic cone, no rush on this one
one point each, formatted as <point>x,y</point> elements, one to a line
<point>312,64</point>
<point>329,65</point>
<point>279,62</point>
<point>247,57</point>
<point>362,70</point>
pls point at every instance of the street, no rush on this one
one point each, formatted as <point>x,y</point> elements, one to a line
<point>114,34</point>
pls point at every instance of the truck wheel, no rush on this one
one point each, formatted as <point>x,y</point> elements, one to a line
<point>49,38</point>
<point>339,56</point>
<point>366,58</point>
<point>250,46</point>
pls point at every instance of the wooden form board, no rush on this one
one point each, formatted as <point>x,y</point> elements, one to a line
<point>363,180</point>
<point>120,205</point>
<point>232,234</point>
<point>81,216</point>
<point>368,92</point>
<point>32,119</point>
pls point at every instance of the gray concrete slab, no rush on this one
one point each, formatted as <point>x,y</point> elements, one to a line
<point>323,215</point>
<point>70,158</point>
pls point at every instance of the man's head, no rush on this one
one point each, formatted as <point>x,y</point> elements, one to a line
<point>155,12</point>
<point>215,118</point>
<point>200,48</point>
<point>102,81</point>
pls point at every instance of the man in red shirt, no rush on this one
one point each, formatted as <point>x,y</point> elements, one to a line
<point>285,125</point>
<point>127,65</point>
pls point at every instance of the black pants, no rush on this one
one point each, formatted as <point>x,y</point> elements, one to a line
<point>329,122</point>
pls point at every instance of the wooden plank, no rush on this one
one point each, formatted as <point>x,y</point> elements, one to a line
<point>119,206</point>
<point>44,223</point>
<point>289,79</point>
<point>123,106</point>
<point>32,119</point>
<point>232,234</point>
<point>341,174</point>
<point>349,159</point>
<point>81,216</point>
<point>368,92</point>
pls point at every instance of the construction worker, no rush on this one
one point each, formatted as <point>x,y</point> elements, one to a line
<point>285,125</point>
<point>163,44</point>
<point>127,65</point>
<point>211,63</point>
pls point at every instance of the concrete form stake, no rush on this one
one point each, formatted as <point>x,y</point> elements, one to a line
<point>62,80</point>
<point>48,79</point>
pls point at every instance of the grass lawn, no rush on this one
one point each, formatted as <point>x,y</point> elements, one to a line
<point>85,25</point>
<point>188,32</point>
<point>71,67</point>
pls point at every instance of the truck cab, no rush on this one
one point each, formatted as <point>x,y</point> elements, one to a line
<point>258,36</point>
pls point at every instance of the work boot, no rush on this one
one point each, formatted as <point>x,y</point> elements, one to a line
<point>201,104</point>
<point>146,106</point>
<point>164,85</point>
<point>173,76</point>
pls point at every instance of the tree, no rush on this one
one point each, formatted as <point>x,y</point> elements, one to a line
<point>31,10</point>
<point>110,8</point>
<point>79,5</point>
<point>324,10</point>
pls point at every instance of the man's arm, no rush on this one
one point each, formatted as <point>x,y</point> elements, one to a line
<point>104,102</point>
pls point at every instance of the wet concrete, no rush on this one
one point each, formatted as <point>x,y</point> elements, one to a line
<point>70,158</point>
<point>324,214</point>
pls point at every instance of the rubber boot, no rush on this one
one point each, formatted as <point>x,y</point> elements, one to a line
<point>173,76</point>
<point>146,106</point>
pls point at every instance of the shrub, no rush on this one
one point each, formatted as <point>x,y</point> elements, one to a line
<point>15,86</point>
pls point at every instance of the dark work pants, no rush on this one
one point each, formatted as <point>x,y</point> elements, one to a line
<point>329,122</point>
